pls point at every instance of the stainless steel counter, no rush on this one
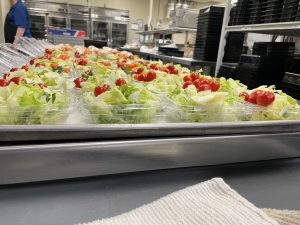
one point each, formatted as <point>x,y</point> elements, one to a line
<point>274,184</point>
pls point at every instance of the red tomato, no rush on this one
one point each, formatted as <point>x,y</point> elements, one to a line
<point>175,71</point>
<point>120,82</point>
<point>186,84</point>
<point>205,81</point>
<point>48,51</point>
<point>245,95</point>
<point>171,67</point>
<point>13,69</point>
<point>140,70</point>
<point>253,96</point>
<point>78,82</point>
<point>136,76</point>
<point>106,87</point>
<point>204,87</point>
<point>100,89</point>
<point>187,78</point>
<point>54,65</point>
<point>151,75</point>
<point>194,76</point>
<point>3,83</point>
<point>15,80</point>
<point>25,67</point>
<point>154,66</point>
<point>265,98</point>
<point>215,86</point>
<point>31,62</point>
<point>82,62</point>
<point>77,54</point>
<point>42,85</point>
<point>197,83</point>
<point>6,75</point>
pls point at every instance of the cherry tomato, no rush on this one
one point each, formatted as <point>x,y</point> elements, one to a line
<point>25,67</point>
<point>6,75</point>
<point>204,87</point>
<point>186,84</point>
<point>31,62</point>
<point>13,69</point>
<point>187,78</point>
<point>140,70</point>
<point>265,98</point>
<point>78,82</point>
<point>16,80</point>
<point>3,83</point>
<point>171,67</point>
<point>253,96</point>
<point>43,86</point>
<point>54,65</point>
<point>100,89</point>
<point>154,66</point>
<point>82,62</point>
<point>106,87</point>
<point>151,75</point>
<point>175,71</point>
<point>194,76</point>
<point>204,81</point>
<point>136,76</point>
<point>215,86</point>
<point>244,95</point>
<point>120,82</point>
<point>197,83</point>
<point>48,51</point>
<point>77,54</point>
<point>67,70</point>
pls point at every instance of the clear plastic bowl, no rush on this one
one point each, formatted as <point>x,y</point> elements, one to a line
<point>120,114</point>
<point>29,115</point>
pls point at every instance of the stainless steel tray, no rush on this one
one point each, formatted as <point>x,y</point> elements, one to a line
<point>40,162</point>
<point>18,133</point>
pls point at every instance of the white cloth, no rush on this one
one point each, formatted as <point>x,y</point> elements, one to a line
<point>209,203</point>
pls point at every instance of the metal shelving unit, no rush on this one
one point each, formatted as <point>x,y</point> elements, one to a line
<point>283,28</point>
<point>164,32</point>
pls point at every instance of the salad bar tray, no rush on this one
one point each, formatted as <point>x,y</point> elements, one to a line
<point>50,161</point>
<point>62,133</point>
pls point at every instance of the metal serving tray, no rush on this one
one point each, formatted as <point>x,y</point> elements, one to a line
<point>60,133</point>
<point>41,162</point>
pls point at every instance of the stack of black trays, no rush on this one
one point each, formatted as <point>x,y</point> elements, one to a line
<point>271,10</point>
<point>232,20</point>
<point>208,33</point>
<point>255,12</point>
<point>289,11</point>
<point>171,51</point>
<point>298,14</point>
<point>242,12</point>
<point>267,65</point>
<point>234,47</point>
<point>227,71</point>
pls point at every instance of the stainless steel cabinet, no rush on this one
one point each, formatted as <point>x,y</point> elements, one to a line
<point>79,18</point>
<point>100,30</point>
<point>119,34</point>
<point>38,25</point>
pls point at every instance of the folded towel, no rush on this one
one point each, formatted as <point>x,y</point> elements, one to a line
<point>209,203</point>
<point>284,217</point>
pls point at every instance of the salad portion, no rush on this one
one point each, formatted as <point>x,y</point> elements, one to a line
<point>38,92</point>
<point>111,86</point>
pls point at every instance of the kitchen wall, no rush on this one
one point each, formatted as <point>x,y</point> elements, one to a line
<point>4,8</point>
